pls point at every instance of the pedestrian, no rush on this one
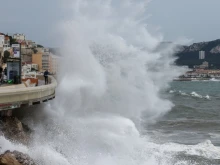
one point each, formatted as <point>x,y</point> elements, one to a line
<point>46,77</point>
<point>1,75</point>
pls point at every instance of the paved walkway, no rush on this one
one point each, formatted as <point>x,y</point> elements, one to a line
<point>4,85</point>
<point>7,85</point>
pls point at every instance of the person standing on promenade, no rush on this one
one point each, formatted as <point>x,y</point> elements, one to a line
<point>46,77</point>
<point>1,75</point>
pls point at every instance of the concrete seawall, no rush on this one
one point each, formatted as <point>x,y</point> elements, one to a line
<point>16,96</point>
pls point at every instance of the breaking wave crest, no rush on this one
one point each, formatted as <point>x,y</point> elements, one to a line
<point>192,94</point>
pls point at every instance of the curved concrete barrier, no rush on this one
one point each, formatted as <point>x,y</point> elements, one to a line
<point>11,98</point>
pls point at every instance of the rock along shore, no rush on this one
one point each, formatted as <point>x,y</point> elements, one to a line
<point>14,130</point>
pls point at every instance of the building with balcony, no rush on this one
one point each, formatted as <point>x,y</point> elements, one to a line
<point>18,37</point>
<point>4,43</point>
<point>7,40</point>
<point>24,45</point>
<point>42,60</point>
<point>45,62</point>
<point>31,44</point>
<point>2,40</point>
<point>29,67</point>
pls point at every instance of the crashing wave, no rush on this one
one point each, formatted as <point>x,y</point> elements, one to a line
<point>192,94</point>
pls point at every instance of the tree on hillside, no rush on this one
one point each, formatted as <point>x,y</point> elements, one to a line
<point>6,56</point>
<point>12,40</point>
<point>40,46</point>
<point>34,50</point>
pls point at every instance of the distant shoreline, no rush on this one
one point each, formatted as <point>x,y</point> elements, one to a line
<point>194,79</point>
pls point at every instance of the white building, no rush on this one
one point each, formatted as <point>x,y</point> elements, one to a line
<point>204,65</point>
<point>40,50</point>
<point>46,50</point>
<point>5,42</point>
<point>6,47</point>
<point>2,40</point>
<point>201,55</point>
<point>28,68</point>
<point>35,66</point>
<point>20,37</point>
<point>31,44</point>
<point>54,64</point>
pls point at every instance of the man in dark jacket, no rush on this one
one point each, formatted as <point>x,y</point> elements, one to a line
<point>46,76</point>
<point>1,75</point>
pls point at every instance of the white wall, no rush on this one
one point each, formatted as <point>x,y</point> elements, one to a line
<point>19,36</point>
<point>2,40</point>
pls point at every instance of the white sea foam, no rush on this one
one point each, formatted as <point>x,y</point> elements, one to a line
<point>172,91</point>
<point>205,149</point>
<point>213,79</point>
<point>214,135</point>
<point>183,93</point>
<point>207,97</point>
<point>7,145</point>
<point>192,94</point>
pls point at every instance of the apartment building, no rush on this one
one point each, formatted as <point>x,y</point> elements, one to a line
<point>31,44</point>
<point>2,40</point>
<point>20,37</point>
<point>54,63</point>
<point>42,60</point>
<point>37,59</point>
<point>5,42</point>
<point>45,62</point>
<point>29,67</point>
<point>201,55</point>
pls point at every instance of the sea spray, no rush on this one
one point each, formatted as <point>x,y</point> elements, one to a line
<point>110,62</point>
<point>112,73</point>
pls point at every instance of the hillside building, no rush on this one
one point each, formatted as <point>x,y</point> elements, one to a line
<point>4,43</point>
<point>204,65</point>
<point>2,40</point>
<point>42,60</point>
<point>201,55</point>
<point>29,67</point>
<point>18,37</point>
<point>31,44</point>
<point>24,45</point>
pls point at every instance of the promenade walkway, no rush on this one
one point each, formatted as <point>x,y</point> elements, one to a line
<point>15,96</point>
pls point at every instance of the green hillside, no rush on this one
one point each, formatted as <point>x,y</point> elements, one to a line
<point>190,54</point>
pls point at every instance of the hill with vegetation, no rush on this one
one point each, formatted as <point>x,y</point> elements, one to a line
<point>189,55</point>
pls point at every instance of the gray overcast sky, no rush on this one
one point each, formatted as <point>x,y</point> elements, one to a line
<point>196,19</point>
